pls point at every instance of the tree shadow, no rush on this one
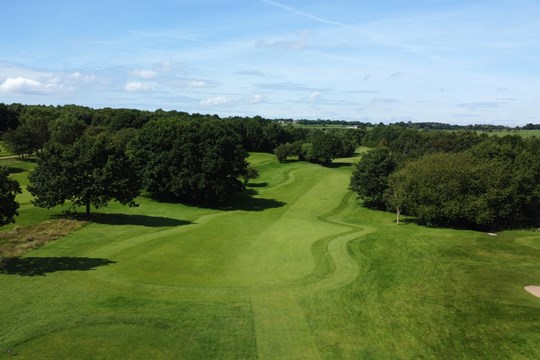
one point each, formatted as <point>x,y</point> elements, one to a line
<point>258,185</point>
<point>143,220</point>
<point>248,203</point>
<point>40,266</point>
<point>338,164</point>
<point>15,170</point>
<point>243,200</point>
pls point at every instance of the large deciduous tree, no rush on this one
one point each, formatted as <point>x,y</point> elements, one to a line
<point>66,129</point>
<point>370,176</point>
<point>325,147</point>
<point>9,189</point>
<point>197,161</point>
<point>91,172</point>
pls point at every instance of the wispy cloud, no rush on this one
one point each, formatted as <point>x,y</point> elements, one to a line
<point>137,86</point>
<point>480,105</point>
<point>292,10</point>
<point>218,101</point>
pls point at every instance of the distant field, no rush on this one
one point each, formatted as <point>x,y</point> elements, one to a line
<point>296,270</point>
<point>524,133</point>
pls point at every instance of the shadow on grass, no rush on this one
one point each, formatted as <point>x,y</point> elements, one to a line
<point>245,202</point>
<point>334,165</point>
<point>257,185</point>
<point>15,170</point>
<point>143,220</point>
<point>40,266</point>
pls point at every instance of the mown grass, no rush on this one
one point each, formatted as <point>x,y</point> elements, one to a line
<point>296,269</point>
<point>522,133</point>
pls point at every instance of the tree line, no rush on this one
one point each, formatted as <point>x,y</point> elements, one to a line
<point>458,179</point>
<point>88,157</point>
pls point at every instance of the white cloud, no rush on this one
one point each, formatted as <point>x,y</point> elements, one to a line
<point>282,44</point>
<point>145,74</point>
<point>197,84</point>
<point>257,99</point>
<point>29,86</point>
<point>217,101</point>
<point>137,86</point>
<point>82,77</point>
<point>315,95</point>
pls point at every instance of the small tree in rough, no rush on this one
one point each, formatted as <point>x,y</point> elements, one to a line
<point>251,173</point>
<point>396,194</point>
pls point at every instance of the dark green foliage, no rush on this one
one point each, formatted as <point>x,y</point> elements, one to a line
<point>370,176</point>
<point>262,135</point>
<point>251,173</point>
<point>116,119</point>
<point>21,141</point>
<point>9,189</point>
<point>9,118</point>
<point>326,146</point>
<point>462,190</point>
<point>33,132</point>
<point>194,161</point>
<point>407,144</point>
<point>66,129</point>
<point>349,139</point>
<point>92,171</point>
<point>283,151</point>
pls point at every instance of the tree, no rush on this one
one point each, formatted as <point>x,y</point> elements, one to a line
<point>9,189</point>
<point>198,161</point>
<point>251,173</point>
<point>282,152</point>
<point>9,118</point>
<point>325,147</point>
<point>370,176</point>
<point>396,194</point>
<point>21,141</point>
<point>66,129</point>
<point>91,172</point>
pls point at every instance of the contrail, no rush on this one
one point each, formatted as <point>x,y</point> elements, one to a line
<point>303,14</point>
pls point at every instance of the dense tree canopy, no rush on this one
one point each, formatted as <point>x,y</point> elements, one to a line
<point>370,176</point>
<point>9,189</point>
<point>91,172</point>
<point>459,179</point>
<point>195,161</point>
<point>66,129</point>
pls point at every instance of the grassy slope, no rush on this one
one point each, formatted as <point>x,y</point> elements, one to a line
<point>298,271</point>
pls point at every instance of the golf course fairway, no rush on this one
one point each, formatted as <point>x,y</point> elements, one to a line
<point>295,268</point>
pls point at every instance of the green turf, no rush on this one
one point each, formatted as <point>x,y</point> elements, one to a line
<point>523,133</point>
<point>296,270</point>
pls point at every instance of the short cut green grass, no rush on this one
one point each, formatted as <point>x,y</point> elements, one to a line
<point>296,269</point>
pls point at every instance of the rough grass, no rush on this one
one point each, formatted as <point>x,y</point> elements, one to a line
<point>298,269</point>
<point>19,240</point>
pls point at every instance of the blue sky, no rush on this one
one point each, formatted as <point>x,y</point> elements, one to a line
<point>460,62</point>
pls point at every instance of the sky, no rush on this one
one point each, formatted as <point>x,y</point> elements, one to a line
<point>458,62</point>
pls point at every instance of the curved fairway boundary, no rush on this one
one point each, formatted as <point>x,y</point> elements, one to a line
<point>281,328</point>
<point>345,268</point>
